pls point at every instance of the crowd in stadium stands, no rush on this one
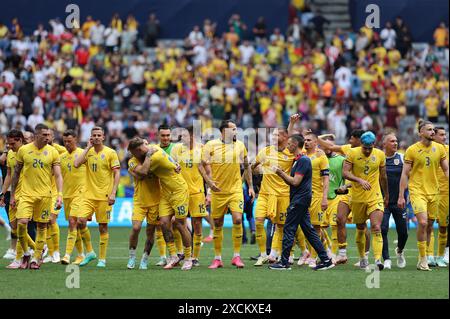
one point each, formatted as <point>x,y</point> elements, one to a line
<point>130,82</point>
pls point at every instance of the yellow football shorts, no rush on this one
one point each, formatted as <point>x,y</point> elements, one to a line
<point>331,213</point>
<point>101,208</point>
<point>53,210</point>
<point>361,210</point>
<point>263,207</point>
<point>197,207</point>
<point>425,204</point>
<point>443,210</point>
<point>174,204</point>
<point>36,208</point>
<point>220,203</point>
<point>72,206</point>
<point>315,211</point>
<point>151,214</point>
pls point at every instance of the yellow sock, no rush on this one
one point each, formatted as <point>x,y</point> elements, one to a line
<point>442,242</point>
<point>278,239</point>
<point>334,240</point>
<point>197,245</point>
<point>430,247</point>
<point>361,242</point>
<point>31,242</point>
<point>40,241</point>
<point>422,246</point>
<point>70,243</point>
<point>55,235</point>
<point>19,250</point>
<point>236,233</point>
<point>22,236</point>
<point>49,240</point>
<point>261,237</point>
<point>171,248</point>
<point>326,239</point>
<point>104,238</point>
<point>187,252</point>
<point>86,237</point>
<point>178,240</point>
<point>377,245</point>
<point>301,241</point>
<point>218,238</point>
<point>161,242</point>
<point>79,243</point>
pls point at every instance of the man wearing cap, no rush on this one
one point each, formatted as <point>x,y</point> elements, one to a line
<point>365,167</point>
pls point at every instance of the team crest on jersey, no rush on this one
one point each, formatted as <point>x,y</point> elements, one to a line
<point>102,156</point>
<point>285,157</point>
<point>396,161</point>
<point>373,158</point>
<point>433,149</point>
<point>45,153</point>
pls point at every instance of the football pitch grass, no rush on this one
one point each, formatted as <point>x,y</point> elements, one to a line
<point>116,281</point>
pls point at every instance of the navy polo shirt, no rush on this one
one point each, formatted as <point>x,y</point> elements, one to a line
<point>303,192</point>
<point>394,167</point>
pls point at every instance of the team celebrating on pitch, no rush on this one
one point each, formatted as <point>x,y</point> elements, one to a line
<point>309,184</point>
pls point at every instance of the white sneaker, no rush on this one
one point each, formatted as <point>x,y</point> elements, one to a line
<point>387,264</point>
<point>401,260</point>
<point>187,265</point>
<point>446,255</point>
<point>10,254</point>
<point>162,262</point>
<point>423,264</point>
<point>291,260</point>
<point>56,258</point>
<point>357,264</point>
<point>364,263</point>
<point>47,259</point>
<point>302,260</point>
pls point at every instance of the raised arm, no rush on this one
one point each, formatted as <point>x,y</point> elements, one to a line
<point>82,159</point>
<point>292,120</point>
<point>327,145</point>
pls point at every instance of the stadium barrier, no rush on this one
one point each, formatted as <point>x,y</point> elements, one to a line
<point>123,209</point>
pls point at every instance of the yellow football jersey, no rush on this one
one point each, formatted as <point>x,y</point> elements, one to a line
<point>189,160</point>
<point>425,161</point>
<point>11,161</point>
<point>319,163</point>
<point>225,160</point>
<point>345,148</point>
<point>271,182</point>
<point>37,168</point>
<point>147,190</point>
<point>368,169</point>
<point>163,166</point>
<point>99,176</point>
<point>74,179</point>
<point>443,180</point>
<point>61,150</point>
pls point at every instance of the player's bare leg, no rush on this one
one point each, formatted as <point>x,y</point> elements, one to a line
<point>197,241</point>
<point>181,225</point>
<point>341,221</point>
<point>237,233</point>
<point>209,238</point>
<point>133,242</point>
<point>150,231</point>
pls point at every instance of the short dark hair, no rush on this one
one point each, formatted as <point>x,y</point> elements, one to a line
<point>163,127</point>
<point>299,139</point>
<point>134,143</point>
<point>16,134</point>
<point>70,133</point>
<point>357,133</point>
<point>98,128</point>
<point>224,124</point>
<point>40,127</point>
<point>439,128</point>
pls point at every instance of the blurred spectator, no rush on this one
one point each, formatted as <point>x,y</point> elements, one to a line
<point>389,36</point>
<point>195,35</point>
<point>152,30</point>
<point>260,29</point>
<point>294,32</point>
<point>318,21</point>
<point>441,36</point>
<point>238,26</point>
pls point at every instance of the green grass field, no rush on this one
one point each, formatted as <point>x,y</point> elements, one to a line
<point>116,281</point>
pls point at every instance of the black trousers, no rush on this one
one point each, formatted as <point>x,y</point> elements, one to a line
<point>298,214</point>
<point>400,218</point>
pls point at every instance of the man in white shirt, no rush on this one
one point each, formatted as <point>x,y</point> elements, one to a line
<point>57,26</point>
<point>247,52</point>
<point>195,35</point>
<point>35,118</point>
<point>201,55</point>
<point>111,38</point>
<point>96,33</point>
<point>10,103</point>
<point>389,36</point>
